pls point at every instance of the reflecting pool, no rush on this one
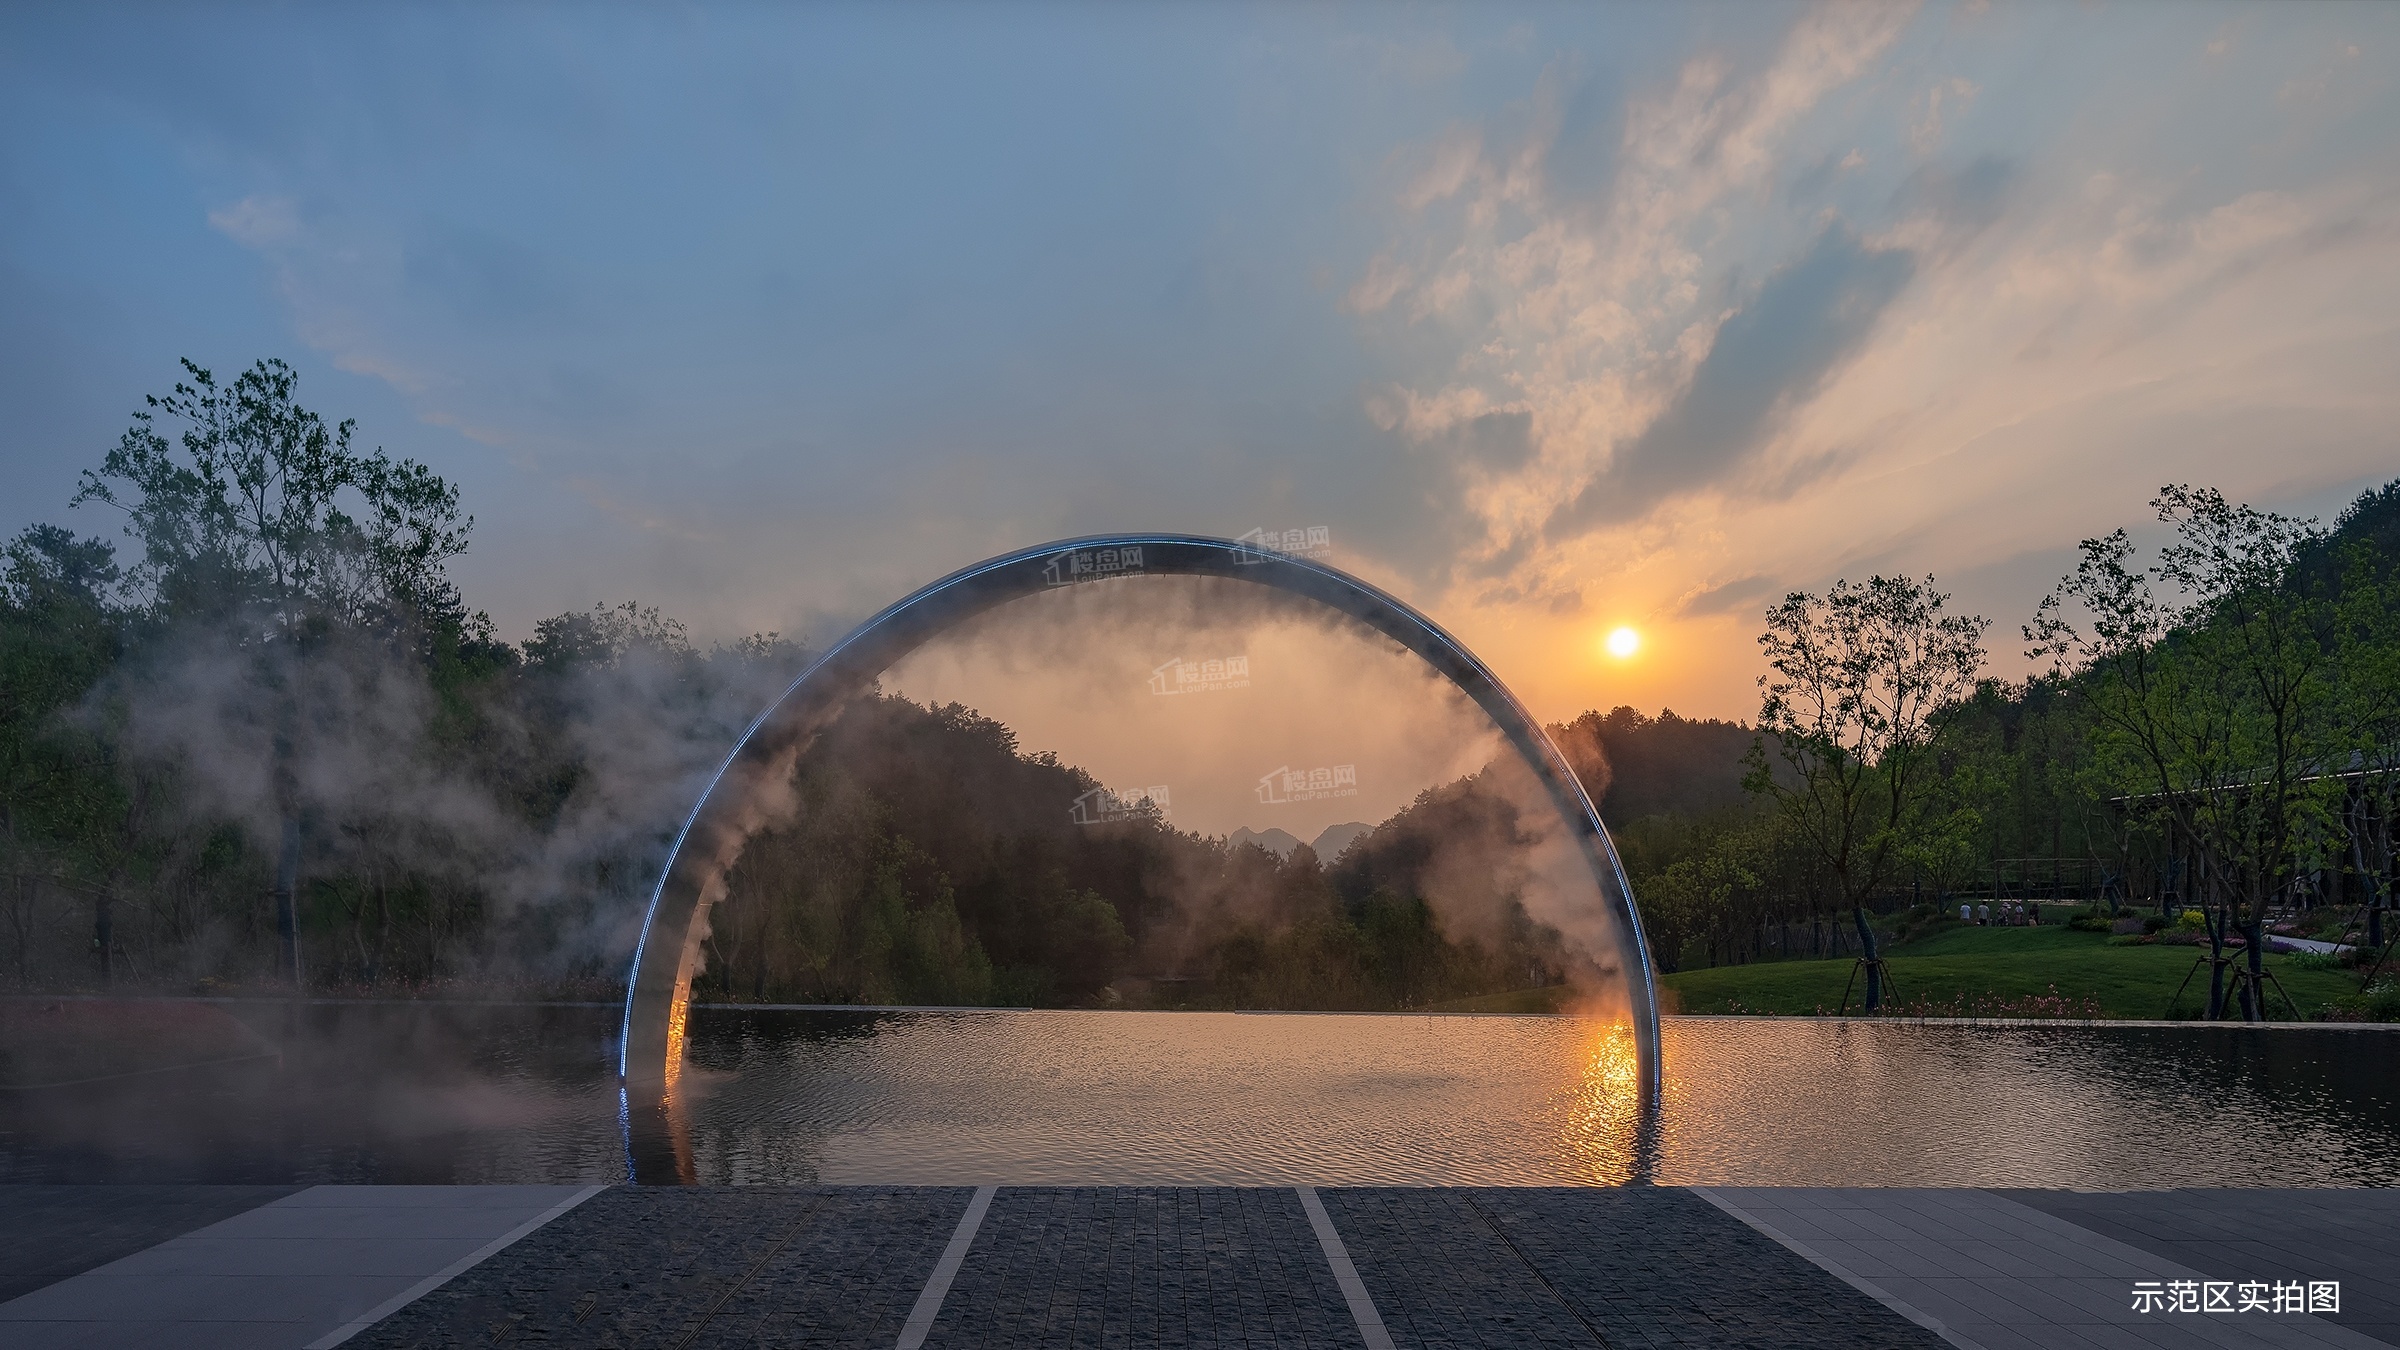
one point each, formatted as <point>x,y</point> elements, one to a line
<point>414,1093</point>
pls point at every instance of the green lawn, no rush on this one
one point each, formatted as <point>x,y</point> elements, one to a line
<point>1999,972</point>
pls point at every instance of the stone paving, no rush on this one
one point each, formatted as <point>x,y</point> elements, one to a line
<point>1048,1268</point>
<point>48,1233</point>
<point>2344,1235</point>
<point>1991,1273</point>
<point>697,1267</point>
<point>284,1274</point>
<point>1204,1267</point>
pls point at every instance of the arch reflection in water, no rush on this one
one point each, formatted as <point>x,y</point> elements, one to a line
<point>748,785</point>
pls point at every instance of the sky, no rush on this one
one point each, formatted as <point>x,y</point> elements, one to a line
<point>1557,319</point>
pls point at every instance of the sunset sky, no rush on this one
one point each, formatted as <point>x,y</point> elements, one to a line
<point>1560,319</point>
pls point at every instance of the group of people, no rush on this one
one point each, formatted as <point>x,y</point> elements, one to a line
<point>2011,913</point>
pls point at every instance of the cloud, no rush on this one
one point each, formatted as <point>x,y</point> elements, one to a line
<point>1385,278</point>
<point>1621,259</point>
<point>1589,312</point>
<point>1500,440</point>
<point>1728,597</point>
<point>1772,354</point>
<point>1801,329</point>
<point>1443,170</point>
<point>1925,129</point>
<point>1958,201</point>
<point>1812,183</point>
<point>257,222</point>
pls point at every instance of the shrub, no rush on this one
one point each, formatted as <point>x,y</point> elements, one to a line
<point>2378,1003</point>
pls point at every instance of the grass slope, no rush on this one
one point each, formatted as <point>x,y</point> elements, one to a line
<point>1969,970</point>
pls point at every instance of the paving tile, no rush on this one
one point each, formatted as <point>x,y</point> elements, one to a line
<point>48,1233</point>
<point>1658,1266</point>
<point>229,1283</point>
<point>1441,1274</point>
<point>1139,1266</point>
<point>2018,1338</point>
<point>473,1226</point>
<point>2351,1235</point>
<point>424,1197</point>
<point>1875,1256</point>
<point>298,1299</point>
<point>701,1267</point>
<point>1067,1268</point>
<point>155,1336</point>
<point>55,1335</point>
<point>409,1258</point>
<point>1941,1297</point>
<point>2016,1273</point>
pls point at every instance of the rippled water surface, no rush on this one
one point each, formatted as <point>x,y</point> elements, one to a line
<point>426,1094</point>
<point>1237,1098</point>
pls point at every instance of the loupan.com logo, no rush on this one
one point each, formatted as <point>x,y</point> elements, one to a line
<point>1180,676</point>
<point>1091,564</point>
<point>1279,786</point>
<point>1101,805</point>
<point>1309,541</point>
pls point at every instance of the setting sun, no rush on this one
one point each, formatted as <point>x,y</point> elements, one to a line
<point>1623,643</point>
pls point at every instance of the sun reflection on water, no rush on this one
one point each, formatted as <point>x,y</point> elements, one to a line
<point>1600,1110</point>
<point>678,1019</point>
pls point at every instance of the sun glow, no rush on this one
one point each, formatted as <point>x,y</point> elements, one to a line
<point>1623,643</point>
<point>1597,1112</point>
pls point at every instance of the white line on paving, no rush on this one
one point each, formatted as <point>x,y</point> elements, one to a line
<point>937,1285</point>
<point>448,1273</point>
<point>1354,1290</point>
<point>1836,1269</point>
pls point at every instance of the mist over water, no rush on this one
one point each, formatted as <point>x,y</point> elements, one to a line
<point>1084,672</point>
<point>996,772</point>
<point>548,834</point>
<point>390,1093</point>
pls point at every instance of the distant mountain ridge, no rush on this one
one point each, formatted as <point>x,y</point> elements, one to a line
<point>1634,765</point>
<point>1328,845</point>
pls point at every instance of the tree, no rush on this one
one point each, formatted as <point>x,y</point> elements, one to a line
<point>1857,677</point>
<point>2360,561</point>
<point>59,632</point>
<point>2215,684</point>
<point>262,522</point>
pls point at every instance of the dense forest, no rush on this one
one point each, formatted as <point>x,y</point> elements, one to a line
<point>269,744</point>
<point>931,862</point>
<point>261,740</point>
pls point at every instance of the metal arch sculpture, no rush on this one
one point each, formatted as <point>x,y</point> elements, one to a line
<point>657,994</point>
